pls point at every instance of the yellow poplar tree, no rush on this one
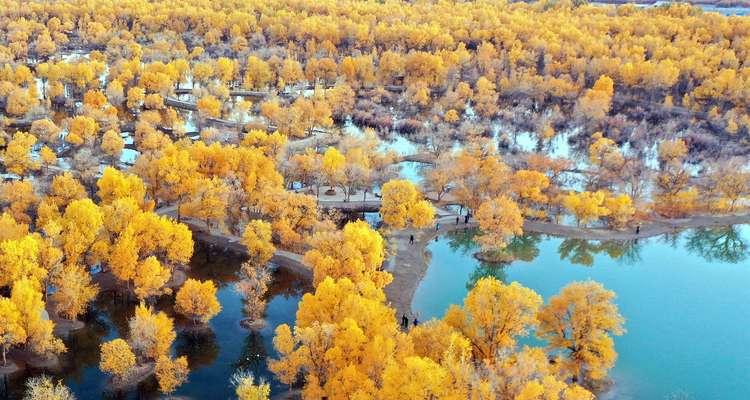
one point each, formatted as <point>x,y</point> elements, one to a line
<point>171,373</point>
<point>257,238</point>
<point>499,220</point>
<point>150,279</point>
<point>494,315</point>
<point>355,252</point>
<point>197,300</point>
<point>345,336</point>
<point>115,184</point>
<point>586,206</point>
<point>112,144</point>
<point>151,334</point>
<point>81,129</point>
<point>579,323</point>
<point>81,224</point>
<point>621,210</point>
<point>11,330</point>
<point>39,331</point>
<point>73,291</point>
<point>403,205</point>
<point>19,259</point>
<point>17,154</point>
<point>333,166</point>
<point>246,389</point>
<point>116,358</point>
<point>417,378</point>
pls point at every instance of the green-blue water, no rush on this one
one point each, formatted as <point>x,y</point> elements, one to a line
<point>685,299</point>
<point>213,355</point>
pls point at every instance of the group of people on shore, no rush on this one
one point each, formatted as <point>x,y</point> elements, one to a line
<point>467,217</point>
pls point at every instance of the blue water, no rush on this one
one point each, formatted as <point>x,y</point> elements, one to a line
<point>685,299</point>
<point>730,11</point>
<point>412,171</point>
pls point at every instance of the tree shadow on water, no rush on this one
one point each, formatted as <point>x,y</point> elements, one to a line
<point>487,270</point>
<point>582,252</point>
<point>199,346</point>
<point>724,244</point>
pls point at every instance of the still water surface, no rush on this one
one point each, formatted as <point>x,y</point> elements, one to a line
<point>685,298</point>
<point>213,355</point>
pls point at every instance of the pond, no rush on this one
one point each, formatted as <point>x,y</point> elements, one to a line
<point>684,298</point>
<point>413,171</point>
<point>729,11</point>
<point>213,355</point>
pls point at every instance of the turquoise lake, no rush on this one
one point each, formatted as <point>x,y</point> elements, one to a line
<point>685,298</point>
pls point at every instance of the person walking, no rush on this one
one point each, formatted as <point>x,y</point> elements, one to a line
<point>466,218</point>
<point>437,226</point>
<point>457,219</point>
<point>411,239</point>
<point>416,321</point>
<point>638,229</point>
<point>404,321</point>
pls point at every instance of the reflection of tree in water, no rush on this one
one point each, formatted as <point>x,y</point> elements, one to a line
<point>288,284</point>
<point>627,252</point>
<point>199,346</point>
<point>717,244</point>
<point>117,308</point>
<point>214,264</point>
<point>578,251</point>
<point>524,247</point>
<point>254,355</point>
<point>486,270</point>
<point>671,239</point>
<point>582,252</point>
<point>83,345</point>
<point>462,240</point>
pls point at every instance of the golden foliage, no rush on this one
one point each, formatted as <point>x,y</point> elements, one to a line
<point>116,358</point>
<point>499,220</point>
<point>258,241</point>
<point>197,300</point>
<point>494,315</point>
<point>11,331</point>
<point>356,252</point>
<point>151,334</point>
<point>402,205</point>
<point>579,322</point>
<point>171,373</point>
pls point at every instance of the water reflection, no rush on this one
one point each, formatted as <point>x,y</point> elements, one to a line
<point>717,244</point>
<point>198,345</point>
<point>487,270</point>
<point>582,252</point>
<point>577,251</point>
<point>213,352</point>
<point>723,244</point>
<point>675,288</point>
<point>253,355</point>
<point>525,247</point>
<point>626,252</point>
<point>463,241</point>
